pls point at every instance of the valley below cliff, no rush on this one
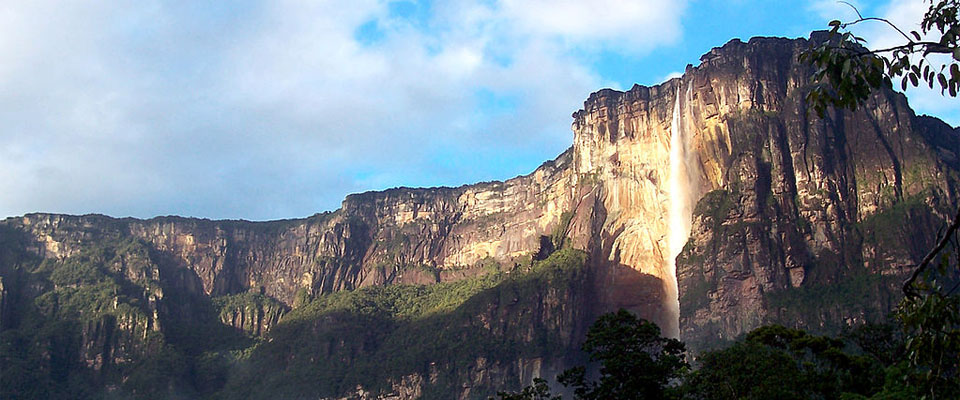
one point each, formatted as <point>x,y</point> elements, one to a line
<point>710,204</point>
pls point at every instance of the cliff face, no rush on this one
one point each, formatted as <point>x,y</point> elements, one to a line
<point>710,204</point>
<point>520,327</point>
<point>376,238</point>
<point>796,203</point>
<point>780,204</point>
<point>197,277</point>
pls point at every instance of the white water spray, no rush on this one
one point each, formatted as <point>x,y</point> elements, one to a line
<point>679,215</point>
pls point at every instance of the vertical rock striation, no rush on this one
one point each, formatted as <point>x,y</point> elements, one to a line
<point>783,204</point>
<point>796,206</point>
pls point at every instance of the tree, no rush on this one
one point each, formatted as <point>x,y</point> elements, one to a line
<point>931,323</point>
<point>539,391</point>
<point>775,362</point>
<point>635,363</point>
<point>744,371</point>
<point>847,72</point>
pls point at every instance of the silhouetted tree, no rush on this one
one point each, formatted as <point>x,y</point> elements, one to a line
<point>635,363</point>
<point>774,362</point>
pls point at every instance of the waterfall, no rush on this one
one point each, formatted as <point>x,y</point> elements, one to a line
<point>679,214</point>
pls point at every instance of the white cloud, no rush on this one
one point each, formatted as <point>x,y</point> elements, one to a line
<point>626,24</point>
<point>277,110</point>
<point>674,74</point>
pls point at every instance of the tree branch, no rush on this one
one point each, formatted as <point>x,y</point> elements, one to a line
<point>846,24</point>
<point>853,7</point>
<point>930,47</point>
<point>908,289</point>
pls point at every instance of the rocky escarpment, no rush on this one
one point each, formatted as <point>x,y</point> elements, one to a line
<point>783,204</point>
<point>196,277</point>
<point>795,203</point>
<point>376,238</point>
<point>716,190</point>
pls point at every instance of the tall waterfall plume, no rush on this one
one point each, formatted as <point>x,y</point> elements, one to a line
<point>679,214</point>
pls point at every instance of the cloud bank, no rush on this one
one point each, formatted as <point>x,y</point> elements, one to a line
<point>277,109</point>
<point>263,110</point>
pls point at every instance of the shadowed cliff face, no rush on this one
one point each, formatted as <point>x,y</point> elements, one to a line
<point>780,211</point>
<point>794,204</point>
<point>785,203</point>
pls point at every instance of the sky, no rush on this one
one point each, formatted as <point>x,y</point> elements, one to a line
<point>265,110</point>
